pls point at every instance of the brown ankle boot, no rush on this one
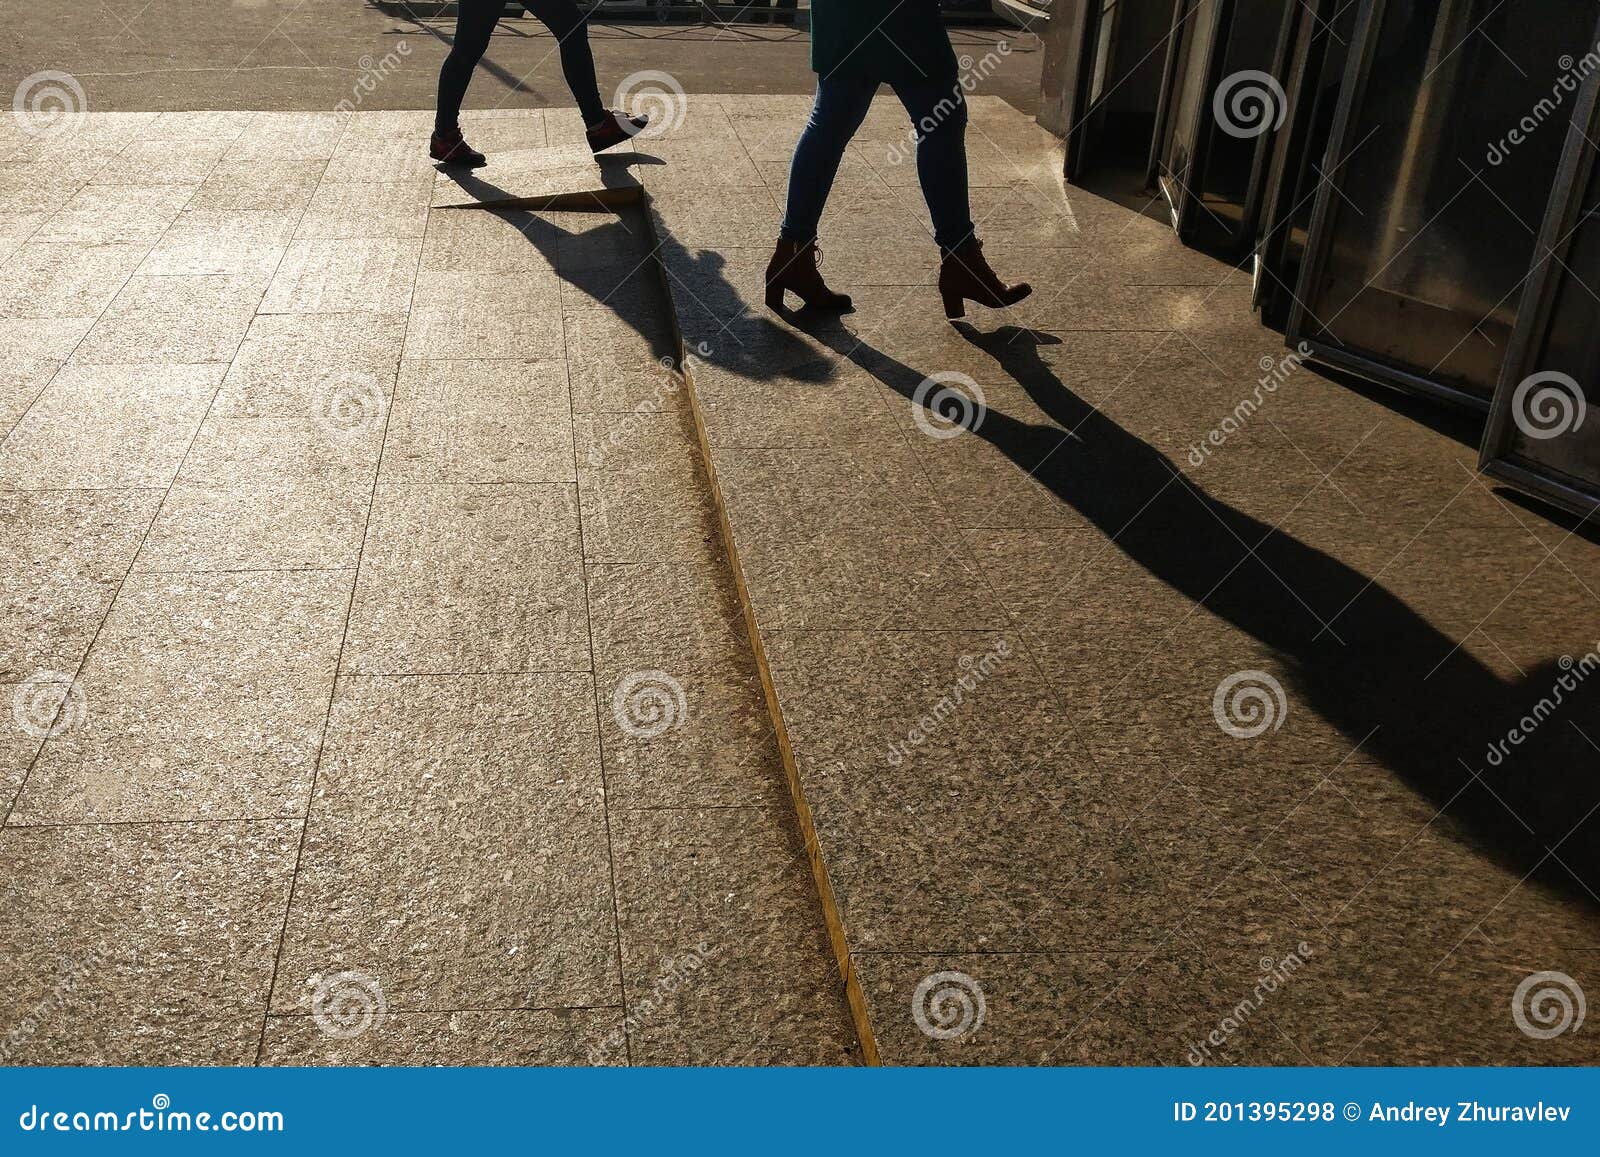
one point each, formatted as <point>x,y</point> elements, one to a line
<point>964,275</point>
<point>794,267</point>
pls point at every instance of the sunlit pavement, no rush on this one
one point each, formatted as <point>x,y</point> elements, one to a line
<point>379,634</point>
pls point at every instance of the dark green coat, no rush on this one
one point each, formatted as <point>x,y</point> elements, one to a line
<point>892,41</point>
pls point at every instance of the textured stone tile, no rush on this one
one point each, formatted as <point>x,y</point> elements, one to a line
<point>49,339</point>
<point>480,421</point>
<point>285,525</point>
<point>262,184</point>
<point>286,136</point>
<point>242,242</point>
<point>359,274</point>
<point>494,130</point>
<point>470,579</point>
<point>695,164</point>
<point>271,491</point>
<point>360,155</point>
<point>197,125</point>
<point>169,161</point>
<point>173,320</point>
<point>543,1036</point>
<point>715,907</point>
<point>21,381</point>
<point>70,551</point>
<point>717,219</point>
<point>15,229</point>
<point>161,936</point>
<point>874,578</point>
<point>108,426</point>
<point>456,850</point>
<point>340,366</point>
<point>620,364</point>
<point>46,279</point>
<point>510,241</point>
<point>647,498</point>
<point>662,614</point>
<point>113,214</point>
<point>205,698</point>
<point>368,209</point>
<point>34,708</point>
<point>442,329</point>
<point>1056,1009</point>
<point>689,736</point>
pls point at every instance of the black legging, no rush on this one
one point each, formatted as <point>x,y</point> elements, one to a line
<point>475,21</point>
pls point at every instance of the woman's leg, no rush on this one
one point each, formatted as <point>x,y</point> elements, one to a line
<point>840,107</point>
<point>939,115</point>
<point>475,21</point>
<point>566,21</point>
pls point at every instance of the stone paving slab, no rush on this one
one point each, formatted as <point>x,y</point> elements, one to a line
<point>354,549</point>
<point>389,573</point>
<point>995,644</point>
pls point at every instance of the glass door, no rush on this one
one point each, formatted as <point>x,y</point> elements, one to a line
<point>1319,50</point>
<point>1444,150</point>
<point>1543,435</point>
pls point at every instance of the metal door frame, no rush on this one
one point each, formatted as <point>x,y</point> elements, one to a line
<point>1556,233</point>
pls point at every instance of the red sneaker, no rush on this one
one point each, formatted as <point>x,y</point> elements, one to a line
<point>616,128</point>
<point>452,149</point>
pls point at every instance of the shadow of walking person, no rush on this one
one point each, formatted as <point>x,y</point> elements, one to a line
<point>1416,702</point>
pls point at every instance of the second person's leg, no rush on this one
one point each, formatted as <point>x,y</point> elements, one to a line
<point>939,114</point>
<point>840,107</point>
<point>475,22</point>
<point>566,22</point>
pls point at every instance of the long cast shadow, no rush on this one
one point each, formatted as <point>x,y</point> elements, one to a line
<point>1357,655</point>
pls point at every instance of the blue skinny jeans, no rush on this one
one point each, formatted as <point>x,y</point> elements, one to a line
<point>939,122</point>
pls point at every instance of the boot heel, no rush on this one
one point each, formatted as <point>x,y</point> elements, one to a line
<point>774,296</point>
<point>955,306</point>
